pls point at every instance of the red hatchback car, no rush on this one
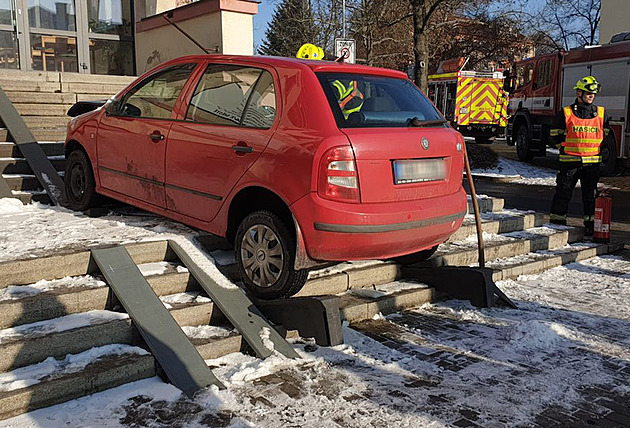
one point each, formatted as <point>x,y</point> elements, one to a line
<point>258,150</point>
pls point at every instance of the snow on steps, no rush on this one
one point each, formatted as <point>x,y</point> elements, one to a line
<point>365,289</point>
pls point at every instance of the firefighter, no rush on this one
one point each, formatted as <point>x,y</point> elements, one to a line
<point>348,95</point>
<point>578,131</point>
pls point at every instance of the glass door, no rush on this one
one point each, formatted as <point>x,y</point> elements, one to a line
<point>9,47</point>
<point>110,37</point>
<point>85,36</point>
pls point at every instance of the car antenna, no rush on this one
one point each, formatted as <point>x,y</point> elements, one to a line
<point>178,28</point>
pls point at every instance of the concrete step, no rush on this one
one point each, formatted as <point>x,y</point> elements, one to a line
<point>107,89</point>
<point>20,165</point>
<point>29,344</point>
<point>93,97</point>
<point>51,148</point>
<point>486,204</point>
<point>21,182</point>
<point>41,134</point>
<point>40,109</point>
<point>25,97</point>
<point>498,222</point>
<point>35,122</point>
<point>465,253</point>
<point>70,262</point>
<point>28,196</point>
<point>110,370</point>
<point>72,295</point>
<point>540,261</point>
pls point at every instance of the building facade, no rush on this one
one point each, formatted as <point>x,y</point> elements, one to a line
<point>118,37</point>
<point>615,19</point>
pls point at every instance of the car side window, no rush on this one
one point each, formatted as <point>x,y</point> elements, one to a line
<point>156,97</point>
<point>224,91</point>
<point>261,108</point>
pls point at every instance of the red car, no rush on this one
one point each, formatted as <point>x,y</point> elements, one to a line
<point>258,150</point>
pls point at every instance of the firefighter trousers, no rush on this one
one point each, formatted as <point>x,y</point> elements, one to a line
<point>566,180</point>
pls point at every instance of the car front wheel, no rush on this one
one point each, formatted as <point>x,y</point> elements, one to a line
<point>79,182</point>
<point>265,255</point>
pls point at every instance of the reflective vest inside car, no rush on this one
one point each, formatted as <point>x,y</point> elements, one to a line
<point>584,137</point>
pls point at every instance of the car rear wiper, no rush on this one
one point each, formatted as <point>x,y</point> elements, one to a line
<point>417,122</point>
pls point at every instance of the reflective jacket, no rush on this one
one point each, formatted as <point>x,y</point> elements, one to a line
<point>349,97</point>
<point>578,131</point>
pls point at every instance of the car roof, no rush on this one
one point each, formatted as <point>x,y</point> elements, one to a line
<point>315,65</point>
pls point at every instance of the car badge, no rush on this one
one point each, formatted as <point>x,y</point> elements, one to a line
<point>425,143</point>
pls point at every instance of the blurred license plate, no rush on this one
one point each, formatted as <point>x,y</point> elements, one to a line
<point>419,170</point>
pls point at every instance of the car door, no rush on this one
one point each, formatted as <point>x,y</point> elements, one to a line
<point>131,143</point>
<point>225,128</point>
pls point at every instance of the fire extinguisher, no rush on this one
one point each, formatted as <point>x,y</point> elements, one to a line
<point>603,209</point>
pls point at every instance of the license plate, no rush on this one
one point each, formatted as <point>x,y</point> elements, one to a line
<point>419,170</point>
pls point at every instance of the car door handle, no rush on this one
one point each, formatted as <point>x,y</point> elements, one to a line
<point>156,136</point>
<point>242,149</point>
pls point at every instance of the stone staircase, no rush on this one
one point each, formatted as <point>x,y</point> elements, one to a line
<point>18,174</point>
<point>42,100</point>
<point>59,325</point>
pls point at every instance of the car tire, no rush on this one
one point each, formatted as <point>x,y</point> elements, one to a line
<point>417,257</point>
<point>79,184</point>
<point>523,143</point>
<point>265,256</point>
<point>608,151</point>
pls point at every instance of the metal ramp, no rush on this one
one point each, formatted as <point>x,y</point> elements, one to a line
<point>239,310</point>
<point>42,168</point>
<point>170,346</point>
<point>177,356</point>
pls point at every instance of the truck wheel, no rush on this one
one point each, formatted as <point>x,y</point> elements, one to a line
<point>608,167</point>
<point>523,143</point>
<point>265,255</point>
<point>417,257</point>
<point>79,183</point>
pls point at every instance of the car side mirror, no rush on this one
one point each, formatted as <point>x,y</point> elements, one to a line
<point>112,107</point>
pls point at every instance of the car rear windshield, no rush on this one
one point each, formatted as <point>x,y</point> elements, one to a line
<point>364,101</point>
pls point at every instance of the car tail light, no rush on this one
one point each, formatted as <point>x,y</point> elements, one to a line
<point>338,179</point>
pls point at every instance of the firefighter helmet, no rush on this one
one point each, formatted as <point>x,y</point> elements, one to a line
<point>588,84</point>
<point>310,51</point>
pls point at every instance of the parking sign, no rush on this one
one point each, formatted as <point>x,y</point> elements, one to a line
<point>345,48</point>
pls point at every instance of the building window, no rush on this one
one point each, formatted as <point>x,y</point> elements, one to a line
<point>54,53</point>
<point>52,14</point>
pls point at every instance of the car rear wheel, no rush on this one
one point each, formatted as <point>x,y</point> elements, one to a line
<point>417,257</point>
<point>523,143</point>
<point>265,255</point>
<point>79,182</point>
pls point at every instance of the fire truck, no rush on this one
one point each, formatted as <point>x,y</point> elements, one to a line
<point>474,102</point>
<point>542,85</point>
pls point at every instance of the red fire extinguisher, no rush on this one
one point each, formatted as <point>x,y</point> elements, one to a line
<point>603,209</point>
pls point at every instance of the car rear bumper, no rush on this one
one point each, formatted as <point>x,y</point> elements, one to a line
<point>335,231</point>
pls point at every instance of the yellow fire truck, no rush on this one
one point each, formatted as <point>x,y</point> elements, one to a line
<point>474,102</point>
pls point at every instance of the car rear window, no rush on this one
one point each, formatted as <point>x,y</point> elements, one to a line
<point>363,101</point>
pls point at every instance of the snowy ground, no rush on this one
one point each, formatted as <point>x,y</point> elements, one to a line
<point>519,172</point>
<point>499,367</point>
<point>511,366</point>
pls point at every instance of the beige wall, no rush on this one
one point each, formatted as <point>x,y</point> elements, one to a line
<point>238,33</point>
<point>615,19</point>
<point>163,43</point>
<point>146,8</point>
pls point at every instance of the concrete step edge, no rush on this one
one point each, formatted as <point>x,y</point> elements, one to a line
<point>550,261</point>
<point>97,376</point>
<point>25,351</point>
<point>62,301</point>
<point>503,225</point>
<point>71,263</point>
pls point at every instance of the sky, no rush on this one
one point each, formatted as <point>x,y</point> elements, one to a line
<point>265,12</point>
